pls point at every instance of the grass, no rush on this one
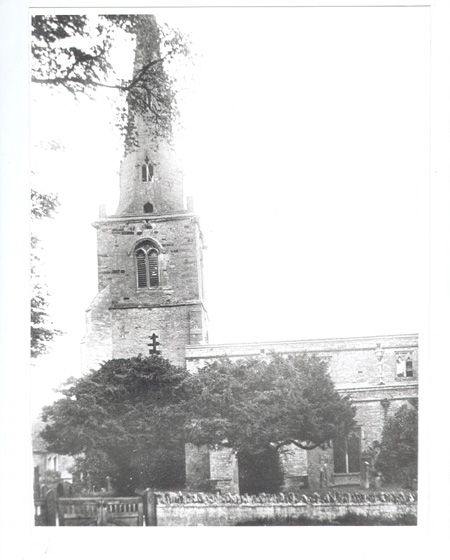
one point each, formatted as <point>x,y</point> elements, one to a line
<point>350,519</point>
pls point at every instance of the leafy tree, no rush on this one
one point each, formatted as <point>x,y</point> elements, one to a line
<point>124,421</point>
<point>42,206</point>
<point>74,52</point>
<point>398,458</point>
<point>252,405</point>
<point>257,407</point>
<point>131,418</point>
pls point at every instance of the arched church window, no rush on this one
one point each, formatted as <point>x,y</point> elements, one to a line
<point>146,171</point>
<point>147,265</point>
<point>346,453</point>
<point>148,208</point>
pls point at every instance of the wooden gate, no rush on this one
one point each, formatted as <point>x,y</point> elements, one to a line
<point>56,510</point>
<point>100,511</point>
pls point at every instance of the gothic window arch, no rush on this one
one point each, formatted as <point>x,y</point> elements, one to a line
<point>146,171</point>
<point>147,265</point>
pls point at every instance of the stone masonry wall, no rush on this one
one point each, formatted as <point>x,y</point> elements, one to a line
<point>352,361</point>
<point>198,473</point>
<point>294,462</point>
<point>224,470</point>
<point>122,317</point>
<point>230,514</point>
<point>372,384</point>
<point>178,240</point>
<point>96,346</point>
<point>165,190</point>
<point>132,328</point>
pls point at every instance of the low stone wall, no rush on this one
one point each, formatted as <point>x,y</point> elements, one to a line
<point>217,510</point>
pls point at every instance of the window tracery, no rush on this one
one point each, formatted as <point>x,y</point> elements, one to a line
<point>147,265</point>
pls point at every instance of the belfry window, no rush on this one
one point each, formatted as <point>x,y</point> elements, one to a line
<point>147,265</point>
<point>146,171</point>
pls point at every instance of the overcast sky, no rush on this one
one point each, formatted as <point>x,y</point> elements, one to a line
<point>306,147</point>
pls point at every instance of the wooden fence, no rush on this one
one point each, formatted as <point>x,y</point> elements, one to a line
<point>96,511</point>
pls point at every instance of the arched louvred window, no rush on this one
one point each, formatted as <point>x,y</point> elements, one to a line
<point>144,173</point>
<point>147,265</point>
<point>153,268</point>
<point>141,268</point>
<point>148,208</point>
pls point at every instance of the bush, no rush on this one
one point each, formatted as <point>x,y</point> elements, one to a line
<point>124,421</point>
<point>398,458</point>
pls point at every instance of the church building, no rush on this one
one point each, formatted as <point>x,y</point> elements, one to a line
<point>150,300</point>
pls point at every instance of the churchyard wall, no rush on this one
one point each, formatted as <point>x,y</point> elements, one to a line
<point>219,510</point>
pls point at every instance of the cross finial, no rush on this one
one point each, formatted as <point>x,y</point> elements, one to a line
<point>153,344</point>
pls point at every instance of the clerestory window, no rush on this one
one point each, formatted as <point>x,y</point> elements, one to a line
<point>404,366</point>
<point>147,265</point>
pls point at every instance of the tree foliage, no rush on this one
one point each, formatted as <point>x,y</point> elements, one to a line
<point>43,205</point>
<point>260,471</point>
<point>252,405</point>
<point>131,418</point>
<point>74,52</point>
<point>42,332</point>
<point>123,421</point>
<point>398,458</point>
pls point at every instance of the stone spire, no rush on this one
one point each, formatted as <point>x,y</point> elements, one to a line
<point>150,175</point>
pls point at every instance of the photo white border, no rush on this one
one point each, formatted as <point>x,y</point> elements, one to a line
<point>20,539</point>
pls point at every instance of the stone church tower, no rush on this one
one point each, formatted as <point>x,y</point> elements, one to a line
<point>150,289</point>
<point>150,300</point>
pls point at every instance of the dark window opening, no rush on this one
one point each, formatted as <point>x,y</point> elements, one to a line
<point>260,472</point>
<point>347,452</point>
<point>146,172</point>
<point>409,368</point>
<point>405,366</point>
<point>147,265</point>
<point>153,268</point>
<point>141,268</point>
<point>148,208</point>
